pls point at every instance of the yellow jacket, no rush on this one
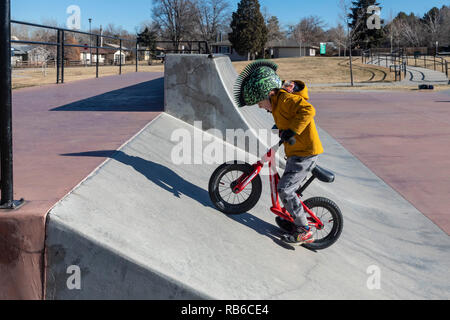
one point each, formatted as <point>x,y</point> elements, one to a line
<point>292,111</point>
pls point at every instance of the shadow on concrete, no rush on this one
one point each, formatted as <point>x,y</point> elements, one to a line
<point>262,227</point>
<point>143,97</point>
<point>160,175</point>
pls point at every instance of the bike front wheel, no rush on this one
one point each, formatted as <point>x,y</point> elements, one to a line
<point>329,214</point>
<point>221,186</point>
<point>333,222</point>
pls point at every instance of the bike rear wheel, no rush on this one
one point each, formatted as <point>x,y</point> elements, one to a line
<point>221,189</point>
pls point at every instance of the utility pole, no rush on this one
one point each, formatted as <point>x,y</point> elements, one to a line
<point>6,147</point>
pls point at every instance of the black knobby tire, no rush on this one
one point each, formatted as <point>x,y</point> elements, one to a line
<point>333,225</point>
<point>216,188</point>
<point>336,222</point>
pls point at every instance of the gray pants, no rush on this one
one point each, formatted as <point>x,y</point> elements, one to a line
<point>297,169</point>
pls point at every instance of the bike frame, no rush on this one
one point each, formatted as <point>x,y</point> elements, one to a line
<point>274,177</point>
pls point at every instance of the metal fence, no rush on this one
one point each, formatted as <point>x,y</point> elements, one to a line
<point>6,155</point>
<point>398,60</point>
<point>61,45</point>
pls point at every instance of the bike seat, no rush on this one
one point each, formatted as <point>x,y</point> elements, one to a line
<point>323,174</point>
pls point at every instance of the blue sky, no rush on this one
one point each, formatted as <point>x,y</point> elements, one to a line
<point>131,13</point>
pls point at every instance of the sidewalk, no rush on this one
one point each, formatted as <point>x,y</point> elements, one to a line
<point>401,136</point>
<point>51,121</point>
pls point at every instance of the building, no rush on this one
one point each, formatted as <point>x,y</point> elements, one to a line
<point>274,49</point>
<point>85,56</point>
<point>290,49</point>
<point>27,55</point>
<point>225,47</point>
<point>18,55</point>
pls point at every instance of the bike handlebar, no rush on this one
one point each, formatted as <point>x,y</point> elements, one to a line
<point>291,141</point>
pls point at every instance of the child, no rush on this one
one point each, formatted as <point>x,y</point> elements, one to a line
<point>294,116</point>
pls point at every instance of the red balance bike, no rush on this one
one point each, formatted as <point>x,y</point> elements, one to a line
<point>235,188</point>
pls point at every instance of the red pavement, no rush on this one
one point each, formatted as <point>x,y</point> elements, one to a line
<point>90,115</point>
<point>403,137</point>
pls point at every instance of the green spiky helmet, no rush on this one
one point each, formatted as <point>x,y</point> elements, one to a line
<point>255,83</point>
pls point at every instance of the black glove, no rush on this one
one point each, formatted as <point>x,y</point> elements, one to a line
<point>288,136</point>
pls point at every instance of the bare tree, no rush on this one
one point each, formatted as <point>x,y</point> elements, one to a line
<point>309,30</point>
<point>212,17</point>
<point>392,30</point>
<point>20,31</point>
<point>275,33</point>
<point>433,22</point>
<point>338,36</point>
<point>47,35</point>
<point>409,32</point>
<point>351,32</point>
<point>444,38</point>
<point>176,18</point>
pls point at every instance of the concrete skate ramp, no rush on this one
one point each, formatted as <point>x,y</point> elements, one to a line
<point>199,88</point>
<point>143,227</point>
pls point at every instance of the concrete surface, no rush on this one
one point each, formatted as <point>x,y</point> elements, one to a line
<point>403,137</point>
<point>141,227</point>
<point>49,121</point>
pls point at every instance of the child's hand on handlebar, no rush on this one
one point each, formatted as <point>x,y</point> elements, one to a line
<point>288,136</point>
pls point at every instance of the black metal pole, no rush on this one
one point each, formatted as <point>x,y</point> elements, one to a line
<point>62,55</point>
<point>137,52</point>
<point>90,41</point>
<point>6,146</point>
<point>120,58</point>
<point>97,60</point>
<point>58,56</point>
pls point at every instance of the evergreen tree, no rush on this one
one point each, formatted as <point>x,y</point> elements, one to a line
<point>249,33</point>
<point>363,36</point>
<point>147,38</point>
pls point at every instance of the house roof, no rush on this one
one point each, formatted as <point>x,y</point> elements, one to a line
<point>288,43</point>
<point>112,45</point>
<point>21,48</point>
<point>18,51</point>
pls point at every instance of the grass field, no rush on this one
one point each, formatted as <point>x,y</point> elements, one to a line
<point>316,70</point>
<point>313,70</point>
<point>22,78</point>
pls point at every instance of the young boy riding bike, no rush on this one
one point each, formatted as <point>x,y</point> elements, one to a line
<point>294,116</point>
